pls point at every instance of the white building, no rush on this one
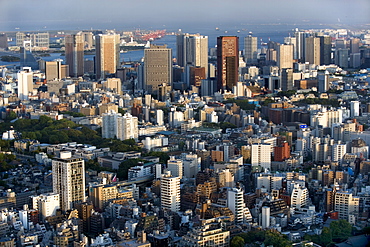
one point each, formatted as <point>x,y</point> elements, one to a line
<point>299,197</point>
<point>339,150</point>
<point>191,164</point>
<point>69,180</point>
<point>235,202</point>
<point>122,127</point>
<point>261,155</point>
<point>175,166</point>
<point>170,192</point>
<point>25,83</point>
<point>159,117</point>
<point>46,204</point>
<point>265,217</point>
<point>355,108</point>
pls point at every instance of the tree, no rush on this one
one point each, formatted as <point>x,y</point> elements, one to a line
<point>237,242</point>
<point>325,237</point>
<point>340,230</point>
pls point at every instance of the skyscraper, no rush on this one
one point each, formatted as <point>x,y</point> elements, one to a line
<point>69,180</point>
<point>286,79</point>
<point>341,58</point>
<point>170,192</point>
<point>157,68</point>
<point>25,83</point>
<point>235,202</point>
<point>227,62</point>
<point>3,41</point>
<point>312,50</point>
<point>74,50</point>
<point>285,56</point>
<point>301,44</point>
<point>107,54</point>
<point>325,50</point>
<point>55,70</point>
<point>192,49</point>
<point>250,50</point>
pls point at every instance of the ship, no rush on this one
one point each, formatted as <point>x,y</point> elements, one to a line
<point>217,29</point>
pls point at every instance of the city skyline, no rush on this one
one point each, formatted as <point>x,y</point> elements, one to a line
<point>147,14</point>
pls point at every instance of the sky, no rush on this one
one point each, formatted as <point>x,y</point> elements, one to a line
<point>31,15</point>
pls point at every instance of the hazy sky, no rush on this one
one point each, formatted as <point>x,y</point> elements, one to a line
<point>121,14</point>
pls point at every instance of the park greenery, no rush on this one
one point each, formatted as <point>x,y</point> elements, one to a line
<point>257,237</point>
<point>339,231</point>
<point>242,103</point>
<point>10,59</point>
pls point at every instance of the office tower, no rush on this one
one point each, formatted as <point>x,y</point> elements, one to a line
<point>192,49</point>
<point>157,68</point>
<point>301,44</point>
<point>25,83</point>
<point>261,155</point>
<point>74,50</point>
<point>323,81</point>
<point>208,87</point>
<point>170,192</point>
<point>107,54</point>
<point>235,202</point>
<point>312,50</point>
<point>340,44</point>
<point>346,204</point>
<point>299,197</point>
<point>175,166</point>
<point>292,41</point>
<point>227,62</point>
<point>69,180</point>
<point>250,50</point>
<point>341,58</point>
<point>3,41</point>
<point>85,210</point>
<point>271,57</point>
<point>355,60</point>
<point>47,204</point>
<point>113,85</point>
<point>196,75</point>
<point>325,50</point>
<point>354,45</point>
<point>265,222</point>
<point>354,108</point>
<point>55,70</point>
<point>39,41</point>
<point>287,79</point>
<point>88,38</point>
<point>285,56</point>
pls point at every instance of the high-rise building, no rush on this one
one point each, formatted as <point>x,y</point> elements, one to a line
<point>114,125</point>
<point>286,79</point>
<point>192,49</point>
<point>339,150</point>
<point>157,68</point>
<point>227,62</point>
<point>323,81</point>
<point>285,56</point>
<point>325,50</point>
<point>74,50</point>
<point>175,166</point>
<point>250,49</point>
<point>235,202</point>
<point>107,54</point>
<point>3,41</point>
<point>261,155</point>
<point>55,70</point>
<point>355,45</point>
<point>69,180</point>
<point>299,197</point>
<point>113,85</point>
<point>38,40</point>
<point>159,117</point>
<point>301,44</point>
<point>312,50</point>
<point>46,204</point>
<point>354,108</point>
<point>292,41</point>
<point>341,58</point>
<point>170,192</point>
<point>25,83</point>
<point>346,204</point>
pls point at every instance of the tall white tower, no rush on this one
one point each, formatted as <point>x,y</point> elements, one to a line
<point>159,116</point>
<point>25,83</point>
<point>299,197</point>
<point>265,217</point>
<point>355,108</point>
<point>235,202</point>
<point>170,192</point>
<point>175,166</point>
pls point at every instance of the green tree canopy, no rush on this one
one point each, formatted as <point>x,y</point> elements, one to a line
<point>237,241</point>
